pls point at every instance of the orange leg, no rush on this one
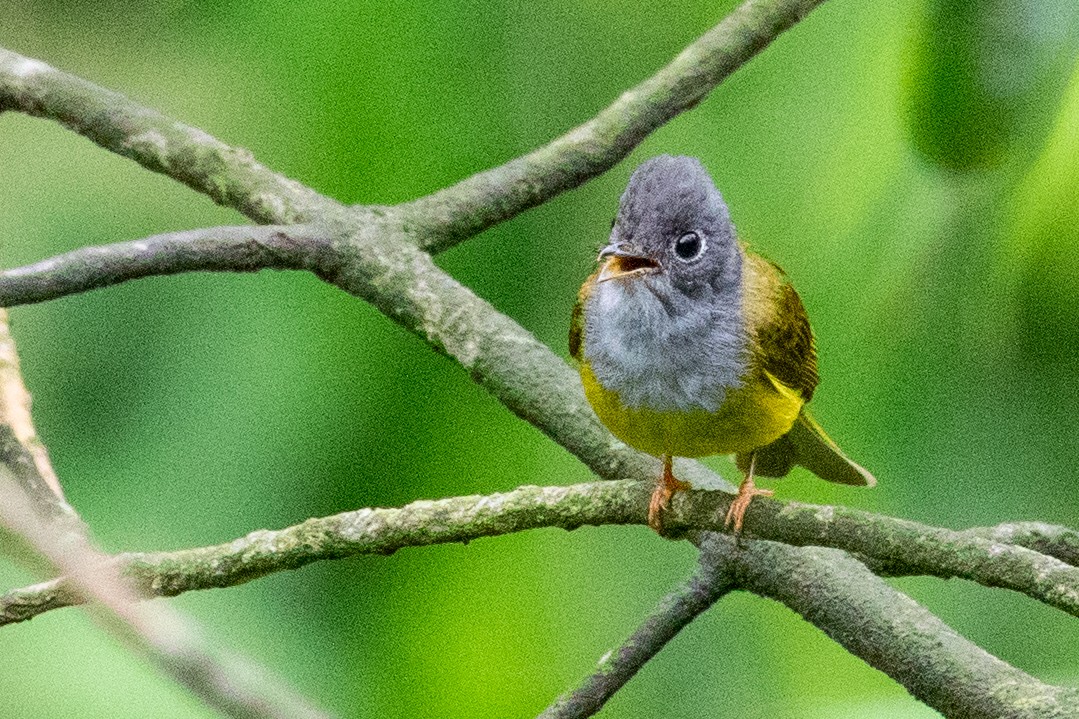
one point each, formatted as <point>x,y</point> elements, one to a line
<point>661,498</point>
<point>746,492</point>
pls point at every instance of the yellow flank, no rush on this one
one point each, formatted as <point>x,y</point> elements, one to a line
<point>752,416</point>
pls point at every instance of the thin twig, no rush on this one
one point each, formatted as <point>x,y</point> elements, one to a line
<point>228,175</point>
<point>707,586</point>
<point>890,631</point>
<point>214,249</point>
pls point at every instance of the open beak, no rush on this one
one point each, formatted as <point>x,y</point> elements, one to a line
<point>621,261</point>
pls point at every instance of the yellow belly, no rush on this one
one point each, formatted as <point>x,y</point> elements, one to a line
<point>751,416</point>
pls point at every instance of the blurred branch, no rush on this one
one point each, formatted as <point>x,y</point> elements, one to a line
<point>15,410</point>
<point>707,586</point>
<point>889,630</point>
<point>42,532</point>
<point>229,176</point>
<point>215,249</point>
<point>894,546</point>
<point>232,686</point>
<point>456,213</point>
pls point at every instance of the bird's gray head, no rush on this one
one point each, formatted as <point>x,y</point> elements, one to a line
<point>673,228</point>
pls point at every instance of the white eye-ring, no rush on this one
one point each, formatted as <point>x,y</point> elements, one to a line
<point>689,247</point>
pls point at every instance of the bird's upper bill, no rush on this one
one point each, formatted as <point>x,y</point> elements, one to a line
<point>620,263</point>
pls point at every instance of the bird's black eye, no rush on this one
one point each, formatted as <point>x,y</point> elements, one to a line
<point>689,246</point>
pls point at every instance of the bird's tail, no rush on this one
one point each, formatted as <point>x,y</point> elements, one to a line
<point>808,445</point>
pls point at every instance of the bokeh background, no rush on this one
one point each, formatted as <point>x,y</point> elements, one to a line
<point>912,165</point>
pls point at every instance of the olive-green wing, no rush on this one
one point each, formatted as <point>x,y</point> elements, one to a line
<point>790,357</point>
<point>786,342</point>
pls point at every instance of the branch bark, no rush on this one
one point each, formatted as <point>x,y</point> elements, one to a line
<point>890,631</point>
<point>214,249</point>
<point>923,550</point>
<point>708,585</point>
<point>449,216</point>
<point>377,254</point>
<point>230,176</point>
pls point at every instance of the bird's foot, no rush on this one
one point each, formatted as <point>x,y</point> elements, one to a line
<point>661,498</point>
<point>737,512</point>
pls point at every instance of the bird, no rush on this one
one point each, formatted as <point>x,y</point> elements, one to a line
<point>688,344</point>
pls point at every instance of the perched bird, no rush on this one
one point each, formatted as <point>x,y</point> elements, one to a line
<point>690,345</point>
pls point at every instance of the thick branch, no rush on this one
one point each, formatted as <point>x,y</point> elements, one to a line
<point>483,200</point>
<point>228,175</point>
<point>899,546</point>
<point>215,249</point>
<point>523,373</point>
<point>618,666</point>
<point>890,631</point>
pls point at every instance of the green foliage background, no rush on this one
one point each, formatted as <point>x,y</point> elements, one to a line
<point>913,166</point>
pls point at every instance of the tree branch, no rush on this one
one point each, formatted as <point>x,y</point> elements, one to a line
<point>229,176</point>
<point>707,586</point>
<point>1049,539</point>
<point>449,216</point>
<point>374,254</point>
<point>215,249</point>
<point>890,631</point>
<point>901,547</point>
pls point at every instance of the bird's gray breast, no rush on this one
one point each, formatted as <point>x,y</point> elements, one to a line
<point>659,349</point>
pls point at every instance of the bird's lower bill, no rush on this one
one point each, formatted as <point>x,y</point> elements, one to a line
<point>619,266</point>
<point>751,417</point>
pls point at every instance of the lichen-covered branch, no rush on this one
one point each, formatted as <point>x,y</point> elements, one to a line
<point>214,249</point>
<point>1048,539</point>
<point>365,531</point>
<point>901,547</point>
<point>488,198</point>
<point>926,550</point>
<point>228,175</point>
<point>890,631</point>
<point>709,584</point>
